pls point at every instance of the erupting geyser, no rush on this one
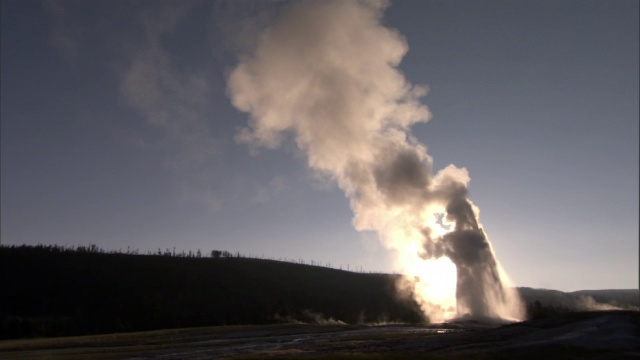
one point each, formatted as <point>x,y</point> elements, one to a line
<point>326,73</point>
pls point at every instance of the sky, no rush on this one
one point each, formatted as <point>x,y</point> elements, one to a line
<point>118,129</point>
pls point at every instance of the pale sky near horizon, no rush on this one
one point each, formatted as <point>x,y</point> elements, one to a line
<point>117,130</point>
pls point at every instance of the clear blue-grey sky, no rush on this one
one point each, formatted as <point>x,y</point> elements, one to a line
<point>117,130</point>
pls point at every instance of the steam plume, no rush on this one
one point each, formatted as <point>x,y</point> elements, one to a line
<point>326,73</point>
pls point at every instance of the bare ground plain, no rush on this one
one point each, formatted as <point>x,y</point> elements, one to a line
<point>591,335</point>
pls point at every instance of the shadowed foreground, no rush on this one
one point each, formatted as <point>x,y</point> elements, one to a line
<point>601,335</point>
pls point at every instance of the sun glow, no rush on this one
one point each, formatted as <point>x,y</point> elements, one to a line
<point>435,283</point>
<point>431,280</point>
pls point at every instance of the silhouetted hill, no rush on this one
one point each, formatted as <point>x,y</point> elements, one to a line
<point>52,292</point>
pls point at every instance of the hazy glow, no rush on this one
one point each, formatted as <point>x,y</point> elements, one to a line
<point>434,285</point>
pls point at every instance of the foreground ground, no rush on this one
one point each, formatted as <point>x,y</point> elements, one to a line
<point>599,335</point>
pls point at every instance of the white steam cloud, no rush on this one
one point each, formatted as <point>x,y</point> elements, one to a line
<point>326,72</point>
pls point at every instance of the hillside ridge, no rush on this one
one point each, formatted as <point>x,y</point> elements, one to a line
<point>52,291</point>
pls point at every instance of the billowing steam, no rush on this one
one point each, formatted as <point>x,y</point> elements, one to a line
<point>326,73</point>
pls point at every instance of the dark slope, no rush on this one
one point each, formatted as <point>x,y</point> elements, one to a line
<point>53,293</point>
<point>50,291</point>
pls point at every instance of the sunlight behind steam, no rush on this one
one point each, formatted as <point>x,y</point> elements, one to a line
<point>326,73</point>
<point>435,284</point>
